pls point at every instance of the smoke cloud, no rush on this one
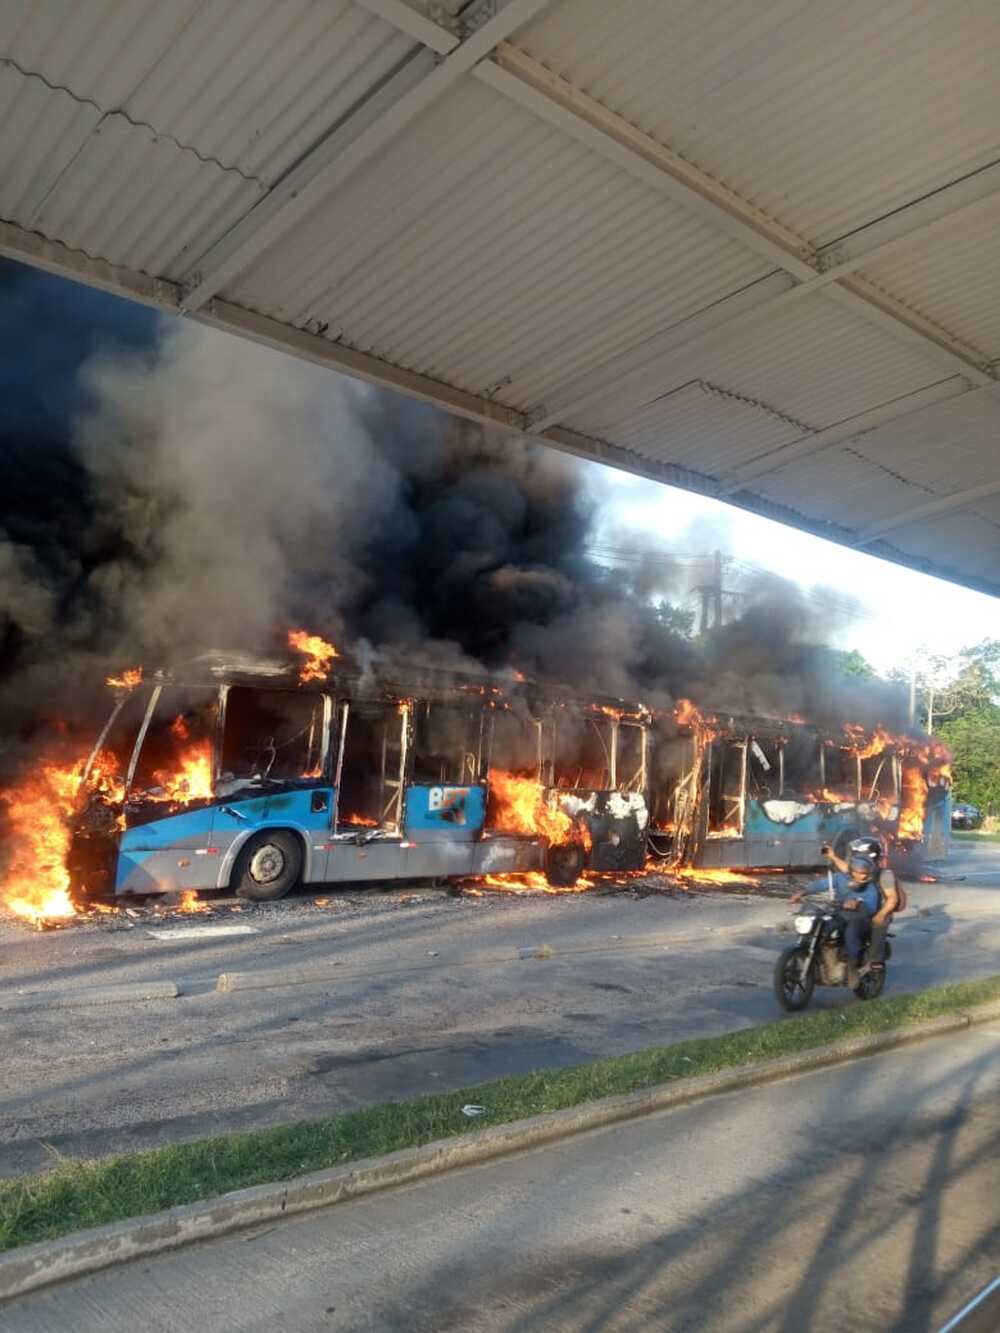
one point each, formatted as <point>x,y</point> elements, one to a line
<point>172,489</point>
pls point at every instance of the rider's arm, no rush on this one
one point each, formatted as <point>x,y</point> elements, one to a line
<point>888,898</point>
<point>839,862</point>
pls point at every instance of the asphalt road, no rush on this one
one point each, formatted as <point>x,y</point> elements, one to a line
<point>89,1080</point>
<point>862,1197</point>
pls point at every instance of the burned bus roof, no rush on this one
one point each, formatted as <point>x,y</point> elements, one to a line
<point>725,723</point>
<point>423,680</point>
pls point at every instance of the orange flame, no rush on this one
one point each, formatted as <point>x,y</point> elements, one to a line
<point>866,749</point>
<point>531,881</point>
<point>522,807</point>
<point>734,877</point>
<point>128,680</point>
<point>317,652</point>
<point>39,810</point>
<point>190,902</point>
<point>191,779</point>
<point>687,714</point>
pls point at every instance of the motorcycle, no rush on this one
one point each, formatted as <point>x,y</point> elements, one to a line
<point>819,957</point>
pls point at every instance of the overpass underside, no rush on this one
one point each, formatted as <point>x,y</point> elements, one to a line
<point>747,249</point>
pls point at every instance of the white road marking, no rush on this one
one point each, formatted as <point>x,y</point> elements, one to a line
<point>200,932</point>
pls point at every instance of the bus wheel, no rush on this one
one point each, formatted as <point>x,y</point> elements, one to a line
<point>269,865</point>
<point>564,864</point>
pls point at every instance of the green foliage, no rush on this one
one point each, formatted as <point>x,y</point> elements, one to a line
<point>853,664</point>
<point>679,619</point>
<point>79,1194</point>
<point>973,736</point>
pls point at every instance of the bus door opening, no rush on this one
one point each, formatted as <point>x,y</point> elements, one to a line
<point>727,789</point>
<point>372,766</point>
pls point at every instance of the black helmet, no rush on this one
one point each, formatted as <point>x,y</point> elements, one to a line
<point>869,848</point>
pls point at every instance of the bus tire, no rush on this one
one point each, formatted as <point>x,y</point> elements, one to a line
<point>564,864</point>
<point>268,866</point>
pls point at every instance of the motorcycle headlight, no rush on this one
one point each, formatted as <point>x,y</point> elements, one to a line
<point>803,924</point>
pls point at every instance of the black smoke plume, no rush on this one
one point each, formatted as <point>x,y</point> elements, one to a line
<point>169,489</point>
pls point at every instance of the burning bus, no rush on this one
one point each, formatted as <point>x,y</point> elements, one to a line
<point>749,792</point>
<point>255,776</point>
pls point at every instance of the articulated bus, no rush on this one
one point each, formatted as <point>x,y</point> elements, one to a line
<point>751,792</point>
<point>240,774</point>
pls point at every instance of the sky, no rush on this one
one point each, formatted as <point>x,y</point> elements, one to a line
<point>908,615</point>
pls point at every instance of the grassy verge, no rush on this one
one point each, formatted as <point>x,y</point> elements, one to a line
<point>974,835</point>
<point>76,1195</point>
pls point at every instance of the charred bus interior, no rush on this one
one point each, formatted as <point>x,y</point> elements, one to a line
<point>753,793</point>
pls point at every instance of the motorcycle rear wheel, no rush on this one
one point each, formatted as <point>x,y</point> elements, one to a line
<point>793,991</point>
<point>871,985</point>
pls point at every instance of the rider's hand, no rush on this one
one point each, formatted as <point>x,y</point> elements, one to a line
<point>850,903</point>
<point>826,851</point>
<point>796,897</point>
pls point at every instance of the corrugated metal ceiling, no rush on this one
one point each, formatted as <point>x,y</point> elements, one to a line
<point>489,250</point>
<point>825,116</point>
<point>507,241</point>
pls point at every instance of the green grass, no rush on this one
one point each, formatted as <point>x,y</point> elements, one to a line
<point>975,835</point>
<point>75,1195</point>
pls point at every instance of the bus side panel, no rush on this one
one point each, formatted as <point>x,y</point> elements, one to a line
<point>937,824</point>
<point>353,862</point>
<point>168,854</point>
<point>790,835</point>
<point>306,811</point>
<point>444,814</point>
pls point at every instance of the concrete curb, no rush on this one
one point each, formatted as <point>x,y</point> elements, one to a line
<point>33,1266</point>
<point>125,992</point>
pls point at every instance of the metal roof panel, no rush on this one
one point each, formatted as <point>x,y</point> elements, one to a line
<point>825,117</point>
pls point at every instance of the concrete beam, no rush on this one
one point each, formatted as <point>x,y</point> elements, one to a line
<point>404,18</point>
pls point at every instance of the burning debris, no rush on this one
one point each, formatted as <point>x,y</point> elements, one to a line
<point>317,652</point>
<point>128,680</point>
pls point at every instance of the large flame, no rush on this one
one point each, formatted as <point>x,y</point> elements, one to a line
<point>521,806</point>
<point>191,776</point>
<point>317,652</point>
<point>39,812</point>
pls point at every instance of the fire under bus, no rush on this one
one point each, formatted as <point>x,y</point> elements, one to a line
<point>255,776</point>
<point>753,792</point>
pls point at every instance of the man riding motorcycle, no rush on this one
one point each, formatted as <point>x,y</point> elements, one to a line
<point>855,885</point>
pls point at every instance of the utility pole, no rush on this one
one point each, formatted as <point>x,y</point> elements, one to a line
<point>717,590</point>
<point>913,694</point>
<point>711,596</point>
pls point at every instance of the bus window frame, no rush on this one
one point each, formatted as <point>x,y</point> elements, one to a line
<point>638,781</point>
<point>324,752</point>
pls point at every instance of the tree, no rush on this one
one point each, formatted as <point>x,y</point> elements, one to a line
<point>972,728</point>
<point>974,740</point>
<point>851,663</point>
<point>680,619</point>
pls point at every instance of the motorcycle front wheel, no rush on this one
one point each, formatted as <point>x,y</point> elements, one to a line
<point>793,990</point>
